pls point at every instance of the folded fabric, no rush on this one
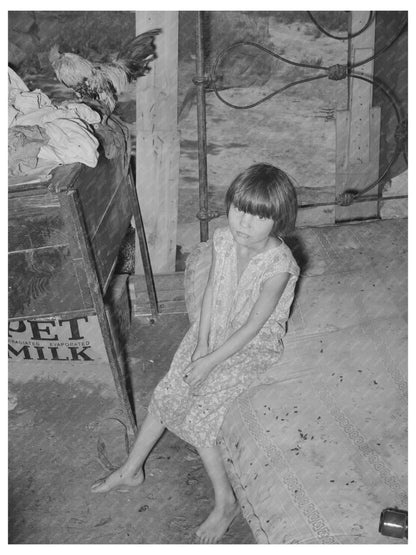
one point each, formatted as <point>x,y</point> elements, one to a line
<point>69,141</point>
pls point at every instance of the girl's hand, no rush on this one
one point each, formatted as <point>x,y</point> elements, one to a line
<point>197,372</point>
<point>200,351</point>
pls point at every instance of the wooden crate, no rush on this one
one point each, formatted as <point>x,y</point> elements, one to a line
<point>47,274</point>
<point>65,235</point>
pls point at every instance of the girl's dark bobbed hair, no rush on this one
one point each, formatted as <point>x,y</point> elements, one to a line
<point>266,191</point>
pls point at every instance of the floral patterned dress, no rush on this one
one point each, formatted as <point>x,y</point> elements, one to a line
<point>197,416</point>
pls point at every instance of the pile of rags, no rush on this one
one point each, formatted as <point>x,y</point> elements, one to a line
<point>43,136</point>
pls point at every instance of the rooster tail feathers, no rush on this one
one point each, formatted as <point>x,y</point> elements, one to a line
<point>141,45</point>
<point>138,53</point>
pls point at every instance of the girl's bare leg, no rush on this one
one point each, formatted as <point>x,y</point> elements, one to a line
<point>226,507</point>
<point>130,472</point>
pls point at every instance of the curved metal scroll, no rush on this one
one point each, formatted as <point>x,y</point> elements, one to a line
<point>335,72</point>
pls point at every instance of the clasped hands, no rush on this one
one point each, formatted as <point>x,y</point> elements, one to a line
<point>199,368</point>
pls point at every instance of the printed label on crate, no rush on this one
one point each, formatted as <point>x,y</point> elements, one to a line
<point>57,339</point>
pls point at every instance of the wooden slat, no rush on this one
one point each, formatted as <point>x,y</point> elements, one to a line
<point>173,307</point>
<point>170,291</point>
<point>358,130</point>
<point>157,150</point>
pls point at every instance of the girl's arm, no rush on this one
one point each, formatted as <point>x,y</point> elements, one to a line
<point>205,315</point>
<point>269,297</point>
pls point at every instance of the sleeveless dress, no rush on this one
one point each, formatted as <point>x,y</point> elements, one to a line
<point>197,417</point>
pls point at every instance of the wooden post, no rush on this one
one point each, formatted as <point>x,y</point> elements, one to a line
<point>157,147</point>
<point>358,129</point>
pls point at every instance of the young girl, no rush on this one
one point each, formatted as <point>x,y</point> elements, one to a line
<point>237,339</point>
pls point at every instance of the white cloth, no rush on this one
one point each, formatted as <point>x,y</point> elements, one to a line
<point>70,137</point>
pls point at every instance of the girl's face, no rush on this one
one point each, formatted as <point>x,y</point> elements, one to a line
<point>248,230</point>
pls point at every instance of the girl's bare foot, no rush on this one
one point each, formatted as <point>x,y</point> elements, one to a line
<point>118,479</point>
<point>218,522</point>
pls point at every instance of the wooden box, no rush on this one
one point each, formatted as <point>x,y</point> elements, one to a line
<point>48,279</point>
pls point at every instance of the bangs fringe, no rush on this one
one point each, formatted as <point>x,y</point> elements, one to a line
<point>256,203</point>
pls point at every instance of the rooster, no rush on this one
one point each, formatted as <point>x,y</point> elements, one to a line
<point>99,84</point>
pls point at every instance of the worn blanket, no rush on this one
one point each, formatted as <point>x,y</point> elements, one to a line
<point>316,456</point>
